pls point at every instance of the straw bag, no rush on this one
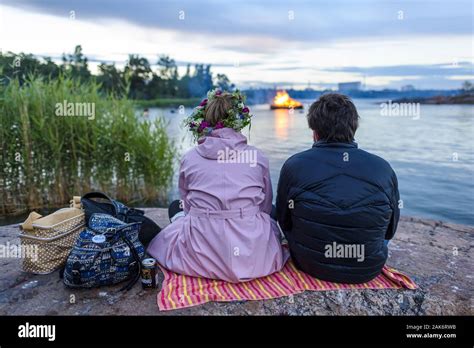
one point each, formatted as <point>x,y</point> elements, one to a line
<point>51,238</point>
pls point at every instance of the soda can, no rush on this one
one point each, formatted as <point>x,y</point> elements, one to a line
<point>148,274</point>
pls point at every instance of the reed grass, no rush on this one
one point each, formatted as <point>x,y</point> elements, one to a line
<point>46,159</point>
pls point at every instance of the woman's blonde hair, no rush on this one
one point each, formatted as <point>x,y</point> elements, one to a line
<point>216,109</point>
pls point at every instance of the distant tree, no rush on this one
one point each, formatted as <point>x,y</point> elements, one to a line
<point>467,87</point>
<point>201,80</point>
<point>18,66</point>
<point>111,79</point>
<point>49,69</point>
<point>168,74</point>
<point>183,83</point>
<point>139,72</point>
<point>167,67</point>
<point>76,65</point>
<point>137,80</point>
<point>223,83</point>
<point>156,87</point>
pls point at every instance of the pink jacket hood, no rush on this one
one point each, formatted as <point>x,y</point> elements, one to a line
<point>219,140</point>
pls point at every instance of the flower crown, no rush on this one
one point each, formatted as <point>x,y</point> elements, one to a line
<point>238,116</point>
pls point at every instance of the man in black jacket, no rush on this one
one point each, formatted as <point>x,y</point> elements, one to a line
<point>337,205</point>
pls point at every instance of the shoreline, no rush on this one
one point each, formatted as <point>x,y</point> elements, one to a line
<point>166,102</point>
<point>440,100</point>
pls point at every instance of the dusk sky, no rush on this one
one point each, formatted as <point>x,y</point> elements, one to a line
<point>384,43</point>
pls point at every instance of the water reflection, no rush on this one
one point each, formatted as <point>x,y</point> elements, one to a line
<point>283,121</point>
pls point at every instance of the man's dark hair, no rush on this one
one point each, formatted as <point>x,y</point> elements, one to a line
<point>334,118</point>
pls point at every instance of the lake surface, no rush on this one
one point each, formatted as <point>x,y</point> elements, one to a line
<point>431,152</point>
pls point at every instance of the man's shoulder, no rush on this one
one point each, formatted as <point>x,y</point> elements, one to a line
<point>374,160</point>
<point>369,159</point>
<point>297,158</point>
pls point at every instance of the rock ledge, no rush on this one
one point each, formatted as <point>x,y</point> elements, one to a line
<point>435,254</point>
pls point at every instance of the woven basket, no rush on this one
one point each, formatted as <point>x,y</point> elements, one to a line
<point>50,239</point>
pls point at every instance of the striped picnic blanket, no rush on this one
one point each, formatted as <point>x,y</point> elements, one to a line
<point>180,291</point>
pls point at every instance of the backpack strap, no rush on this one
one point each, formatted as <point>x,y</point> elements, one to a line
<point>96,194</point>
<point>121,210</point>
<point>137,260</point>
<point>76,273</point>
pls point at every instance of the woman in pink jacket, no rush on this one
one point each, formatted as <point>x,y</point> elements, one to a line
<point>224,230</point>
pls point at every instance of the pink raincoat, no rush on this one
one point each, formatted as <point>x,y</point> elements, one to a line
<point>227,232</point>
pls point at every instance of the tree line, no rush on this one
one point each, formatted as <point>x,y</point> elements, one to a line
<point>137,80</point>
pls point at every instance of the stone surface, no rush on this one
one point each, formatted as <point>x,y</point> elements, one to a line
<point>437,255</point>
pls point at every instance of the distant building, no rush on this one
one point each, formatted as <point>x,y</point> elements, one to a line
<point>407,88</point>
<point>345,87</point>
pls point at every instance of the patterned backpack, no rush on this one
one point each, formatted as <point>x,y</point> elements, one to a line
<point>99,202</point>
<point>106,252</point>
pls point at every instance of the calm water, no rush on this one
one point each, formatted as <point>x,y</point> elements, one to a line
<point>432,155</point>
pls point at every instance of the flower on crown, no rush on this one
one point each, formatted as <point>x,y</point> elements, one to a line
<point>238,116</point>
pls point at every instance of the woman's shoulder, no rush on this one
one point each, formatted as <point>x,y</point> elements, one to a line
<point>189,155</point>
<point>259,155</point>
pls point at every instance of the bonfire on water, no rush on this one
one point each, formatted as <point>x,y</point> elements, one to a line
<point>283,101</point>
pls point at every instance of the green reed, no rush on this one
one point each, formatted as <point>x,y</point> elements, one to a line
<point>46,159</point>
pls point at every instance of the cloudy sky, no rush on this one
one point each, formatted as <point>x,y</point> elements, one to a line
<point>384,43</point>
